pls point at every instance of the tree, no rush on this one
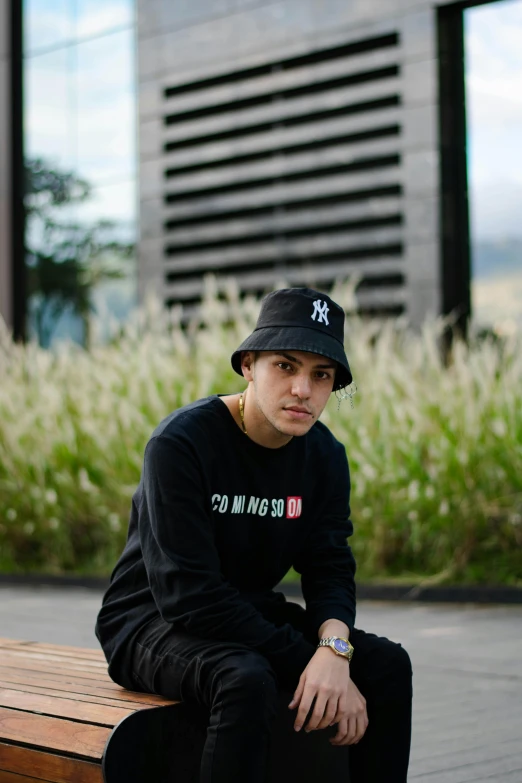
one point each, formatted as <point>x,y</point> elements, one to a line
<point>65,258</point>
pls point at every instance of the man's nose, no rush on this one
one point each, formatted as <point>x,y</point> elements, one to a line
<point>302,387</point>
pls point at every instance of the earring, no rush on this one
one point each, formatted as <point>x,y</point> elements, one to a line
<point>346,394</point>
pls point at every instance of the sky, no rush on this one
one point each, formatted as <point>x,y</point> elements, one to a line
<point>493,35</point>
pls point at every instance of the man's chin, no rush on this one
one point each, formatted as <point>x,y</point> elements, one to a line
<point>296,428</point>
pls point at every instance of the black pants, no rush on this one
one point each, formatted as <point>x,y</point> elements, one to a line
<point>240,691</point>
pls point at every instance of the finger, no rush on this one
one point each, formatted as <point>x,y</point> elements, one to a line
<point>329,713</point>
<point>342,709</point>
<point>362,725</point>
<point>341,732</point>
<point>318,713</point>
<point>304,708</point>
<point>297,695</point>
<point>358,733</point>
<point>347,739</point>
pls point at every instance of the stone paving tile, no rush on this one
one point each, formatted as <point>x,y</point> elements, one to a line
<point>467,720</point>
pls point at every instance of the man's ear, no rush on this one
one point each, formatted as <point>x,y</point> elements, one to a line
<point>247,364</point>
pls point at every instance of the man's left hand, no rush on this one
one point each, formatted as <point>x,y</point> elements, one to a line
<point>337,699</point>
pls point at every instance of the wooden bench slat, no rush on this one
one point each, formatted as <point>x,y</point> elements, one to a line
<point>63,707</point>
<point>65,669</point>
<point>53,659</point>
<point>66,736</point>
<point>48,653</point>
<point>81,697</point>
<point>62,649</point>
<point>110,690</point>
<point>36,673</point>
<point>10,777</point>
<point>47,766</point>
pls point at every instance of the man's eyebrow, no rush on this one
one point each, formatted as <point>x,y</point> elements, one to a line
<point>291,358</point>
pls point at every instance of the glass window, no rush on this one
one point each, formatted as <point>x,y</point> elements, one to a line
<point>115,203</point>
<point>49,117</point>
<point>106,104</point>
<point>100,16</point>
<point>80,149</point>
<point>109,218</point>
<point>77,252</point>
<point>494,120</point>
<point>51,23</point>
<point>47,23</point>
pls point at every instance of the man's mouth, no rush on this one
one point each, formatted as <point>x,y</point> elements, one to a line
<point>298,412</point>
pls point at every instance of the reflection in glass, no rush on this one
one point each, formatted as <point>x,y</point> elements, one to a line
<point>494,119</point>
<point>49,115</point>
<point>72,254</point>
<point>81,178</point>
<point>51,23</point>
<point>112,208</point>
<point>47,23</point>
<point>101,16</point>
<point>105,108</point>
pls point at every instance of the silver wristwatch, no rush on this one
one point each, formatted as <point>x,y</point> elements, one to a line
<point>339,645</point>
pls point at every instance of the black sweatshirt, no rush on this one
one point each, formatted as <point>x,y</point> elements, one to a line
<point>216,522</point>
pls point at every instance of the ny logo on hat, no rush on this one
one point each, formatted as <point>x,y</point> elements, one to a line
<point>320,309</point>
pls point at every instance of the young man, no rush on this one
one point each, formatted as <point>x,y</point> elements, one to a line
<point>235,490</point>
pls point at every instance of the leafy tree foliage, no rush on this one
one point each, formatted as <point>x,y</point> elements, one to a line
<point>66,257</point>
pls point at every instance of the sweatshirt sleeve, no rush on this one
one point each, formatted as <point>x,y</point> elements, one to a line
<point>325,561</point>
<point>176,532</point>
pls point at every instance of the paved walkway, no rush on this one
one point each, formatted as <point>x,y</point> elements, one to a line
<point>466,662</point>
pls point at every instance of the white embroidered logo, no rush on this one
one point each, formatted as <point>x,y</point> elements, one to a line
<point>320,309</point>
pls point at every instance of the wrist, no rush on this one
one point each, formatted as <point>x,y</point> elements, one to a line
<point>334,628</point>
<point>329,654</point>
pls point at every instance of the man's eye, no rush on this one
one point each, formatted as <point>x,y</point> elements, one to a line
<point>284,365</point>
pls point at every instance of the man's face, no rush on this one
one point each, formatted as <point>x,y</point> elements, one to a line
<point>290,388</point>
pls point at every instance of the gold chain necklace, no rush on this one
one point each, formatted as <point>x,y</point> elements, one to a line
<point>242,413</point>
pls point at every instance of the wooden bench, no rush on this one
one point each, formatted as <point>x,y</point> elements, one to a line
<point>60,712</point>
<point>63,720</point>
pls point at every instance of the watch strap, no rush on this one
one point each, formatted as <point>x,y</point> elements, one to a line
<point>339,644</point>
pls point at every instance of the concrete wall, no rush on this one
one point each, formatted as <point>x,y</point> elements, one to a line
<point>183,42</point>
<point>5,170</point>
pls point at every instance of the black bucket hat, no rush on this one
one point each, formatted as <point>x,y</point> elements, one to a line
<point>300,319</point>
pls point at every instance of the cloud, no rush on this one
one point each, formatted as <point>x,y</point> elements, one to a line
<point>494,117</point>
<point>81,107</point>
<point>495,209</point>
<point>50,23</point>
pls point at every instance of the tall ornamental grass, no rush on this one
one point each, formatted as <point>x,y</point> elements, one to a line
<point>435,447</point>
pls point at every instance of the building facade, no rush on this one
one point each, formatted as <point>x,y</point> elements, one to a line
<point>303,141</point>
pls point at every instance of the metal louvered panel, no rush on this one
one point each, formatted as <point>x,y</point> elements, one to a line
<point>356,215</point>
<point>293,140</point>
<point>290,170</point>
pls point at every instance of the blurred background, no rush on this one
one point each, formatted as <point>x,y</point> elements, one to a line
<point>164,164</point>
<point>145,144</point>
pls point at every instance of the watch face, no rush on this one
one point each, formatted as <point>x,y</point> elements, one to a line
<point>341,646</point>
